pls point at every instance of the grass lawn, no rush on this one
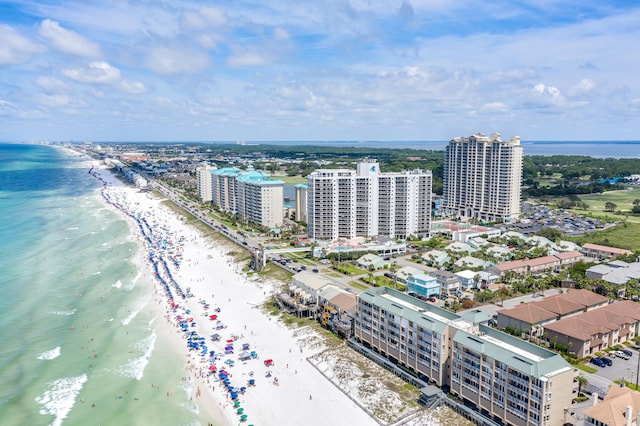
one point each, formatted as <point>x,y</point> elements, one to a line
<point>622,199</point>
<point>586,368</point>
<point>623,236</point>
<point>290,180</point>
<point>358,285</point>
<point>351,270</point>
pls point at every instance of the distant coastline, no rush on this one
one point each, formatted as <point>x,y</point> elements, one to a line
<point>595,149</point>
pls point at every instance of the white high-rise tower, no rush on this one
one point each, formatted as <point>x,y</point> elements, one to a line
<point>345,203</point>
<point>483,177</point>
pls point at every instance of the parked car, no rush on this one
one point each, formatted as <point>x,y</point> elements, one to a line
<point>621,354</point>
<point>598,362</point>
<point>432,299</point>
<point>628,352</point>
<point>607,361</point>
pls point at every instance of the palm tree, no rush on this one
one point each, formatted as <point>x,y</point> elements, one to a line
<point>582,381</point>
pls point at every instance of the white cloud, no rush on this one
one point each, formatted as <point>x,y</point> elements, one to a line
<point>103,73</point>
<point>135,87</point>
<point>246,60</point>
<point>585,86</point>
<point>281,34</point>
<point>54,100</point>
<point>68,41</point>
<point>14,48</point>
<point>97,72</point>
<point>207,41</point>
<point>494,107</point>
<point>166,60</point>
<point>549,94</point>
<point>205,17</point>
<point>50,84</point>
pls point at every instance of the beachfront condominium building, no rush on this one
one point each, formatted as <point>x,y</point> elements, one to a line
<point>505,378</point>
<point>483,178</point>
<point>259,199</point>
<point>252,195</point>
<point>203,175</point>
<point>346,203</point>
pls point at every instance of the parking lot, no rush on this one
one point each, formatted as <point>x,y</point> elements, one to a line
<point>538,216</point>
<point>621,368</point>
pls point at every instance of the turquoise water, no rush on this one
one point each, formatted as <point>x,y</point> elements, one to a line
<point>78,332</point>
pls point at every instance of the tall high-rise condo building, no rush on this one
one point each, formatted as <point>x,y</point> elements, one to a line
<point>204,182</point>
<point>345,203</point>
<point>483,177</point>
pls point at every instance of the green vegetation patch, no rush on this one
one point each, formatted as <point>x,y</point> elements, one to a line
<point>357,285</point>
<point>274,272</point>
<point>625,236</point>
<point>290,180</point>
<point>348,269</point>
<point>586,368</point>
<point>179,210</point>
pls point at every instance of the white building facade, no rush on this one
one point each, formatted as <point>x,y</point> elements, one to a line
<point>301,203</point>
<point>345,203</point>
<point>260,199</point>
<point>203,175</point>
<point>483,178</point>
<point>252,195</point>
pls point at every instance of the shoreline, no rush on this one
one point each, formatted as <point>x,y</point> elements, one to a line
<point>209,411</point>
<point>290,390</point>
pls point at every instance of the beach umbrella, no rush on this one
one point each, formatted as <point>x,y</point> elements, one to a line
<point>243,417</point>
<point>236,404</point>
<point>230,340</point>
<point>240,410</point>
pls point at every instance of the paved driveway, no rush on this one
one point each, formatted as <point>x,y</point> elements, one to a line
<point>627,369</point>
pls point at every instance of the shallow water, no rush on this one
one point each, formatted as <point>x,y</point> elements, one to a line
<point>80,345</point>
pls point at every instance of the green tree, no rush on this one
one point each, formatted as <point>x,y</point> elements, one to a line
<point>582,381</point>
<point>550,233</point>
<point>610,207</point>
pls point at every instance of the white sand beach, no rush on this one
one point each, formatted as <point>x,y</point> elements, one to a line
<point>295,391</point>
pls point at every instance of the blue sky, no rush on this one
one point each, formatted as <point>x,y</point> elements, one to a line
<point>183,70</point>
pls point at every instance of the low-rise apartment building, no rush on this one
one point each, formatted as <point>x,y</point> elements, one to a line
<point>597,329</point>
<point>533,318</point>
<point>603,252</point>
<point>537,265</point>
<point>503,377</point>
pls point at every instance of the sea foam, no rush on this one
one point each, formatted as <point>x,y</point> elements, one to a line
<point>64,313</point>
<point>50,354</point>
<point>60,396</point>
<point>135,367</point>
<point>134,313</point>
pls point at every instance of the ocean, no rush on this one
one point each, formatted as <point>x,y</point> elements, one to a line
<point>78,331</point>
